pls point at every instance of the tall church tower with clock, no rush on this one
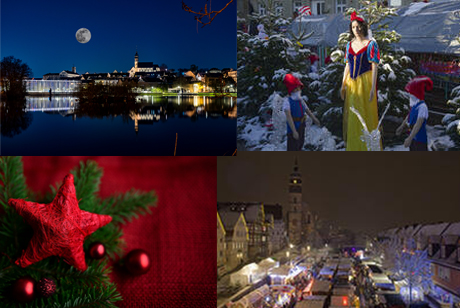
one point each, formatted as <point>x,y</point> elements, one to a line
<point>294,211</point>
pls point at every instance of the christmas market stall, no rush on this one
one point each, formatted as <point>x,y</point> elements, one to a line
<point>313,301</point>
<point>255,299</point>
<point>247,275</point>
<point>321,287</point>
<point>282,294</point>
<point>266,265</point>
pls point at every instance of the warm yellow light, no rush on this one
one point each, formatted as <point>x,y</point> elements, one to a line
<point>295,181</point>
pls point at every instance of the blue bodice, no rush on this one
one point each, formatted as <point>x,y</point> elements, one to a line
<point>361,62</point>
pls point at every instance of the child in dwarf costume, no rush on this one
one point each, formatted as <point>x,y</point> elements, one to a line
<point>296,113</point>
<point>416,119</point>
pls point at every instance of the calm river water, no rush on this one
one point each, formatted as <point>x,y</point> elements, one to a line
<point>60,126</point>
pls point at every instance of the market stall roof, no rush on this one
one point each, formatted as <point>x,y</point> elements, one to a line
<point>425,27</point>
<point>254,296</point>
<point>314,301</point>
<point>429,27</point>
<point>267,264</point>
<point>283,270</point>
<point>320,286</point>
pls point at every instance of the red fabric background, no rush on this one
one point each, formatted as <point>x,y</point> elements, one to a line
<point>179,235</point>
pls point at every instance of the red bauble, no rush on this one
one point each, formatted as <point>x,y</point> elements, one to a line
<point>23,289</point>
<point>46,287</point>
<point>96,250</point>
<point>59,227</point>
<point>138,262</point>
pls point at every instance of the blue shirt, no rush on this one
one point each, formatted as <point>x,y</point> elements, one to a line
<point>413,117</point>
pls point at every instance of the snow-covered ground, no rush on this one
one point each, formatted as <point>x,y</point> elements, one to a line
<point>257,137</point>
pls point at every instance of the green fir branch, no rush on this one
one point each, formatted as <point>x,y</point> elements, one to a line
<point>12,180</point>
<point>123,208</point>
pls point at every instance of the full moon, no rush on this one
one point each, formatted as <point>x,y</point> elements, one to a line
<point>83,35</point>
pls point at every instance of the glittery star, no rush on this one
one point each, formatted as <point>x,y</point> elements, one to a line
<point>60,227</point>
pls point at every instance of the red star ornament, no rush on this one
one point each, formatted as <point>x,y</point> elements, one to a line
<point>60,227</point>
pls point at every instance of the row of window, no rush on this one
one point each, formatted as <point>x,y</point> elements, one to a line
<point>317,7</point>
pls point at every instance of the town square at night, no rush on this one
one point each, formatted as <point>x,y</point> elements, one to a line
<point>334,230</point>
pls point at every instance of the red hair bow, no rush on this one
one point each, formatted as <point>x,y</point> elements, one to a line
<point>356,17</point>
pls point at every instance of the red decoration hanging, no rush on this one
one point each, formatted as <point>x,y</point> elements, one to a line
<point>137,262</point>
<point>46,287</point>
<point>23,290</point>
<point>96,250</point>
<point>60,227</point>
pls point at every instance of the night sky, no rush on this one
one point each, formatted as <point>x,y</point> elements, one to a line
<point>366,192</point>
<point>42,34</point>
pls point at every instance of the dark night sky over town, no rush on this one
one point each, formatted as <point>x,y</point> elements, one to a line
<point>365,192</point>
<point>42,34</point>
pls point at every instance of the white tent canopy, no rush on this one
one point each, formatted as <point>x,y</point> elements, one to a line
<point>283,270</point>
<point>245,275</point>
<point>425,28</point>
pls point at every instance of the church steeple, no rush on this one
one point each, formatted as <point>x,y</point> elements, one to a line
<point>295,211</point>
<point>136,60</point>
<point>295,187</point>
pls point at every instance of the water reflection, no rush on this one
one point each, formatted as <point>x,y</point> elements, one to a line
<point>147,110</point>
<point>14,118</point>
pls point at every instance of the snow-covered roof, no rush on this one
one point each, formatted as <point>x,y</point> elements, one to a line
<point>424,27</point>
<point>320,286</point>
<point>268,262</point>
<point>252,213</point>
<point>283,270</point>
<point>429,27</point>
<point>314,301</point>
<point>229,219</point>
<point>454,228</point>
<point>434,229</point>
<point>325,30</point>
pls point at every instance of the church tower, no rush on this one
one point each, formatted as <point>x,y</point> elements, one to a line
<point>295,212</point>
<point>136,61</point>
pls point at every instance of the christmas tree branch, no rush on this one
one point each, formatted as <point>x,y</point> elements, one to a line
<point>12,180</point>
<point>124,207</point>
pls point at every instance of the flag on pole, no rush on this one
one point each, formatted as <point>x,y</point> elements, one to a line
<point>305,10</point>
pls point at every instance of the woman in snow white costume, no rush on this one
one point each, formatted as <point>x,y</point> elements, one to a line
<point>359,85</point>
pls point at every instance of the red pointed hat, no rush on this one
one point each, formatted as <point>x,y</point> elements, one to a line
<point>418,85</point>
<point>313,58</point>
<point>292,82</point>
<point>354,16</point>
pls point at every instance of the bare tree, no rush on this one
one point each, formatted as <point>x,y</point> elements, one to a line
<point>207,14</point>
<point>13,73</point>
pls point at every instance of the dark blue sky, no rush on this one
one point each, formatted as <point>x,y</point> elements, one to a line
<point>42,34</point>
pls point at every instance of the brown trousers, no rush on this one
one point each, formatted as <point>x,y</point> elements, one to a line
<point>293,144</point>
<point>418,146</point>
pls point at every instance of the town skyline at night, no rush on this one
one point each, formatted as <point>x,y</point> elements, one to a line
<point>375,194</point>
<point>160,32</point>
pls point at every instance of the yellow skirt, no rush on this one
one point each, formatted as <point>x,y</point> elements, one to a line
<point>357,96</point>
